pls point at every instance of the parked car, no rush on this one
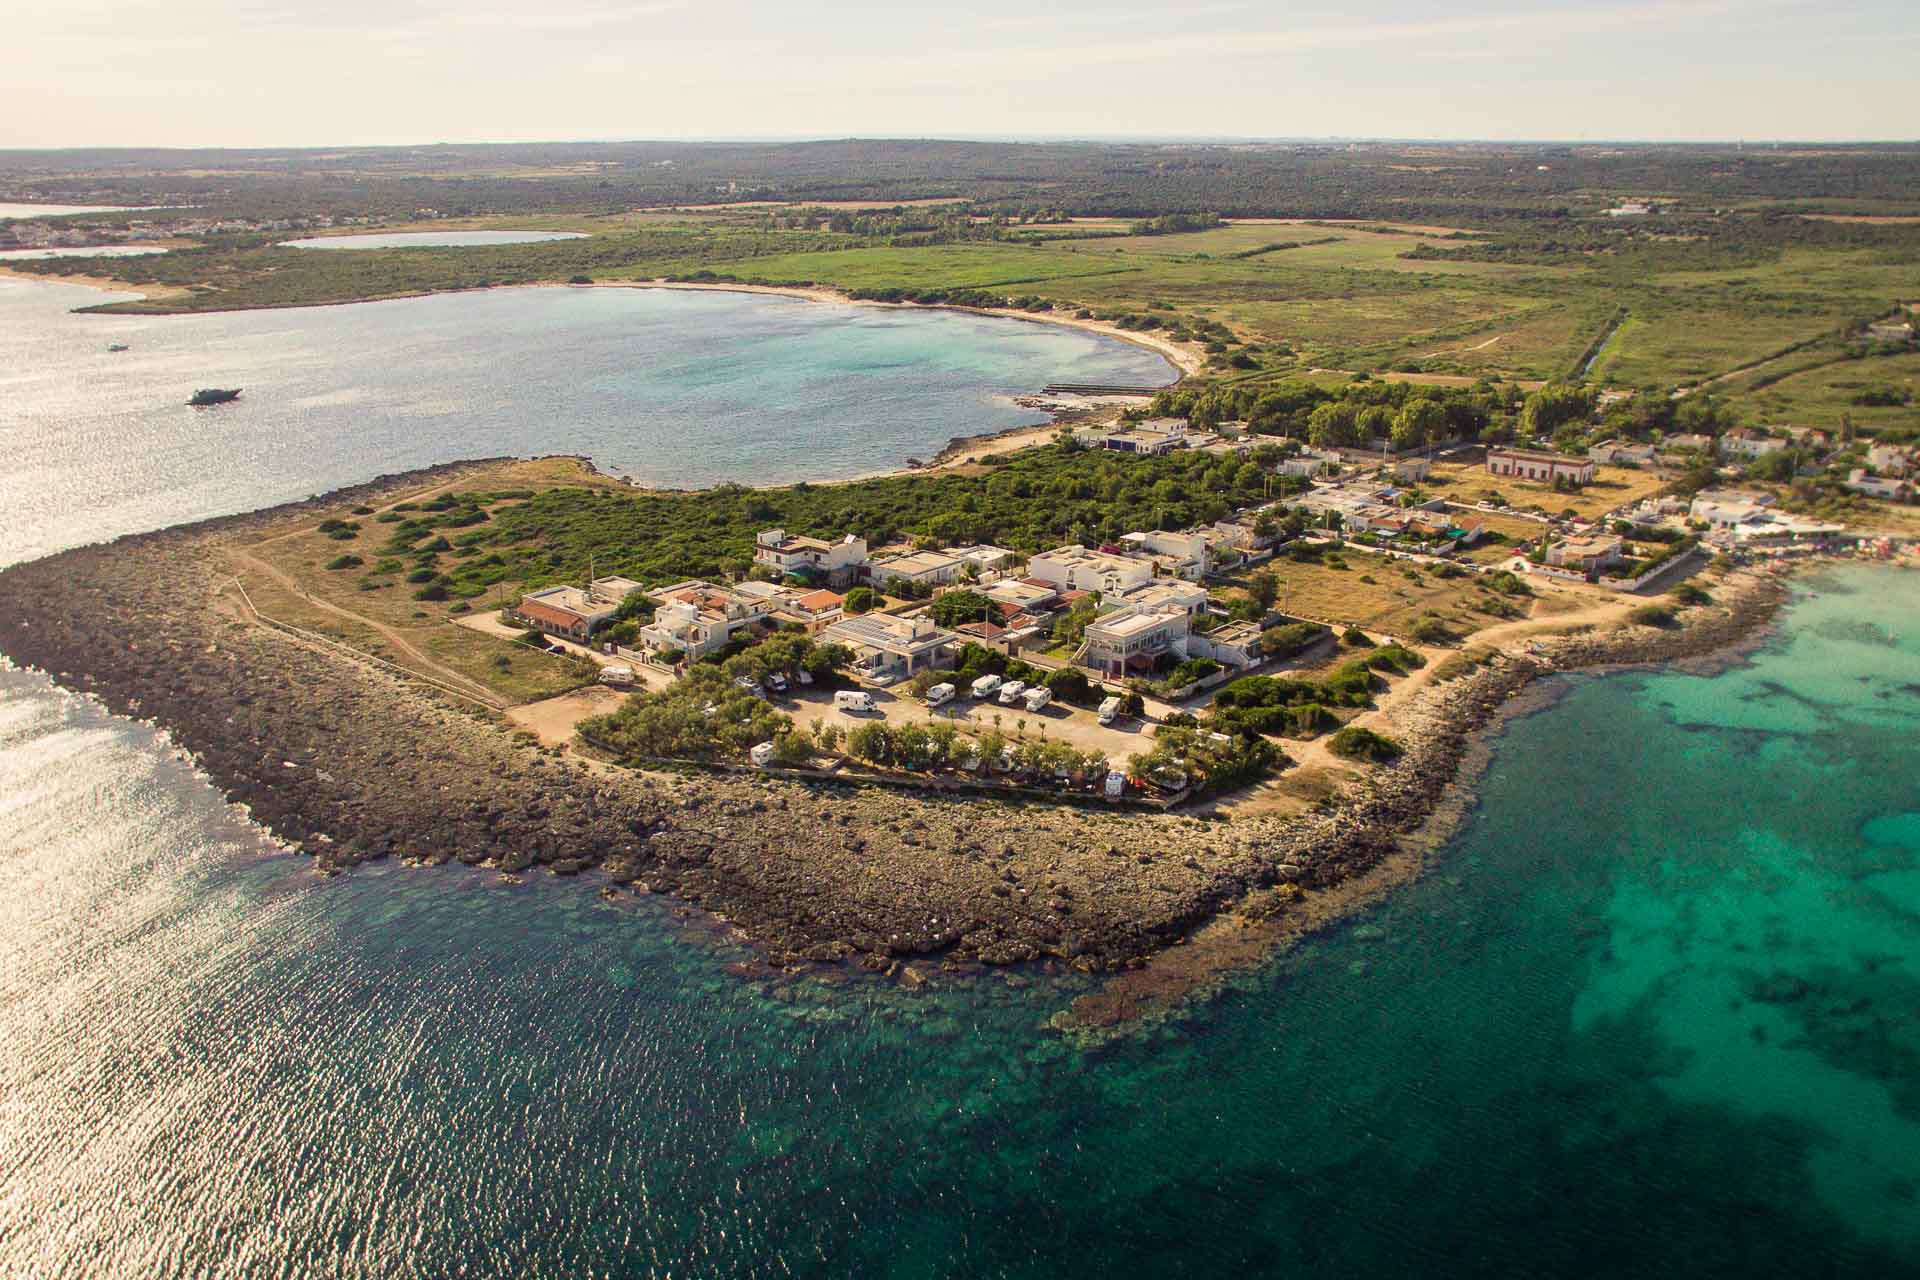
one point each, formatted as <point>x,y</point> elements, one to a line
<point>747,685</point>
<point>777,682</point>
<point>1010,692</point>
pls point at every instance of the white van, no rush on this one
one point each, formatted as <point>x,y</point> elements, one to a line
<point>985,686</point>
<point>940,695</point>
<point>1011,691</point>
<point>1109,711</point>
<point>853,701</point>
<point>1038,697</point>
<point>761,755</point>
<point>1116,785</point>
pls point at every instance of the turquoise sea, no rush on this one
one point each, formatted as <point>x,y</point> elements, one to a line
<point>1654,1011</point>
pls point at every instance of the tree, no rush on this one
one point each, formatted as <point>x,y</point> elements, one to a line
<point>1070,626</point>
<point>957,607</point>
<point>1420,422</point>
<point>1263,588</point>
<point>860,600</point>
<point>1333,425</point>
<point>1554,405</point>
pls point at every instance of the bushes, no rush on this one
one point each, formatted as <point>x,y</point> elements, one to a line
<point>702,716</point>
<point>1069,684</point>
<point>1355,743</point>
<point>433,591</point>
<point>1294,637</point>
<point>958,607</point>
<point>345,562</point>
<point>1653,615</point>
<point>1355,638</point>
<point>1431,629</point>
<point>1191,671</point>
<point>1396,658</point>
<point>1688,593</point>
<point>340,530</point>
<point>861,600</point>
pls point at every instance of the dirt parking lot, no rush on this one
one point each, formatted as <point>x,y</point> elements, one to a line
<point>1074,725</point>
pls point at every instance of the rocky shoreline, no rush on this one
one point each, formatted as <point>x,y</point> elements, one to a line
<point>348,763</point>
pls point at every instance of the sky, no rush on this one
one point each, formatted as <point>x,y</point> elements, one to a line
<point>366,72</point>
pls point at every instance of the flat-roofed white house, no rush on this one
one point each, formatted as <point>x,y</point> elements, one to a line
<point>1588,555</point>
<point>1310,463</point>
<point>1189,597</point>
<point>984,557</point>
<point>573,613</point>
<point>1233,644</point>
<point>1131,639</point>
<point>1687,442</point>
<point>1540,465</point>
<point>886,647</point>
<point>1023,595</point>
<point>1746,442</point>
<point>568,612</point>
<point>1890,459</point>
<point>698,618</point>
<point>1622,453</point>
<point>838,563</point>
<point>925,568</point>
<point>1076,567</point>
<point>1182,555</point>
<point>1892,488</point>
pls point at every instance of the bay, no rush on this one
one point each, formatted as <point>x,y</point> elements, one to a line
<point>672,388</point>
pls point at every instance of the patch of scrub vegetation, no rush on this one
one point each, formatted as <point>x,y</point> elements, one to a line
<point>1356,743</point>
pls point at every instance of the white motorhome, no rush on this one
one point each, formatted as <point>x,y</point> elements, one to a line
<point>1109,711</point>
<point>985,686</point>
<point>1010,692</point>
<point>1038,697</point>
<point>761,755</point>
<point>940,695</point>
<point>853,701</point>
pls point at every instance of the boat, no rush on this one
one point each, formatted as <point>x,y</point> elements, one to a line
<point>213,395</point>
<point>116,346</point>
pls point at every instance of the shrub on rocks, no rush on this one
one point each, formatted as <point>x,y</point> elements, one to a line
<point>1355,743</point>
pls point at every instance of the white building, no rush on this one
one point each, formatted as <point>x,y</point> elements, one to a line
<point>1170,593</point>
<point>887,648</point>
<point>1075,567</point>
<point>836,562</point>
<point>984,557</point>
<point>1746,442</point>
<point>1131,639</point>
<point>924,568</point>
<point>1180,555</point>
<point>1890,459</point>
<point>1892,488</point>
<point>1311,463</point>
<point>1622,453</point>
<point>698,618</point>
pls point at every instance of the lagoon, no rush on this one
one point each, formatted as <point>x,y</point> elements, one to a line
<point>671,388</point>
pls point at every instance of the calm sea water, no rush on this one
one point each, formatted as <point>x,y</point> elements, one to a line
<point>429,239</point>
<point>1655,1011</point>
<point>672,388</point>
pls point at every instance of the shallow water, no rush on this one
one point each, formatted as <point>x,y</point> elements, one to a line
<point>428,239</point>
<point>1654,1011</point>
<point>672,388</point>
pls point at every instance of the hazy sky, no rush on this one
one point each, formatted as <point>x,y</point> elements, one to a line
<point>320,72</point>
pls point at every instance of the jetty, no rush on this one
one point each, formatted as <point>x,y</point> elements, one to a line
<point>1096,389</point>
